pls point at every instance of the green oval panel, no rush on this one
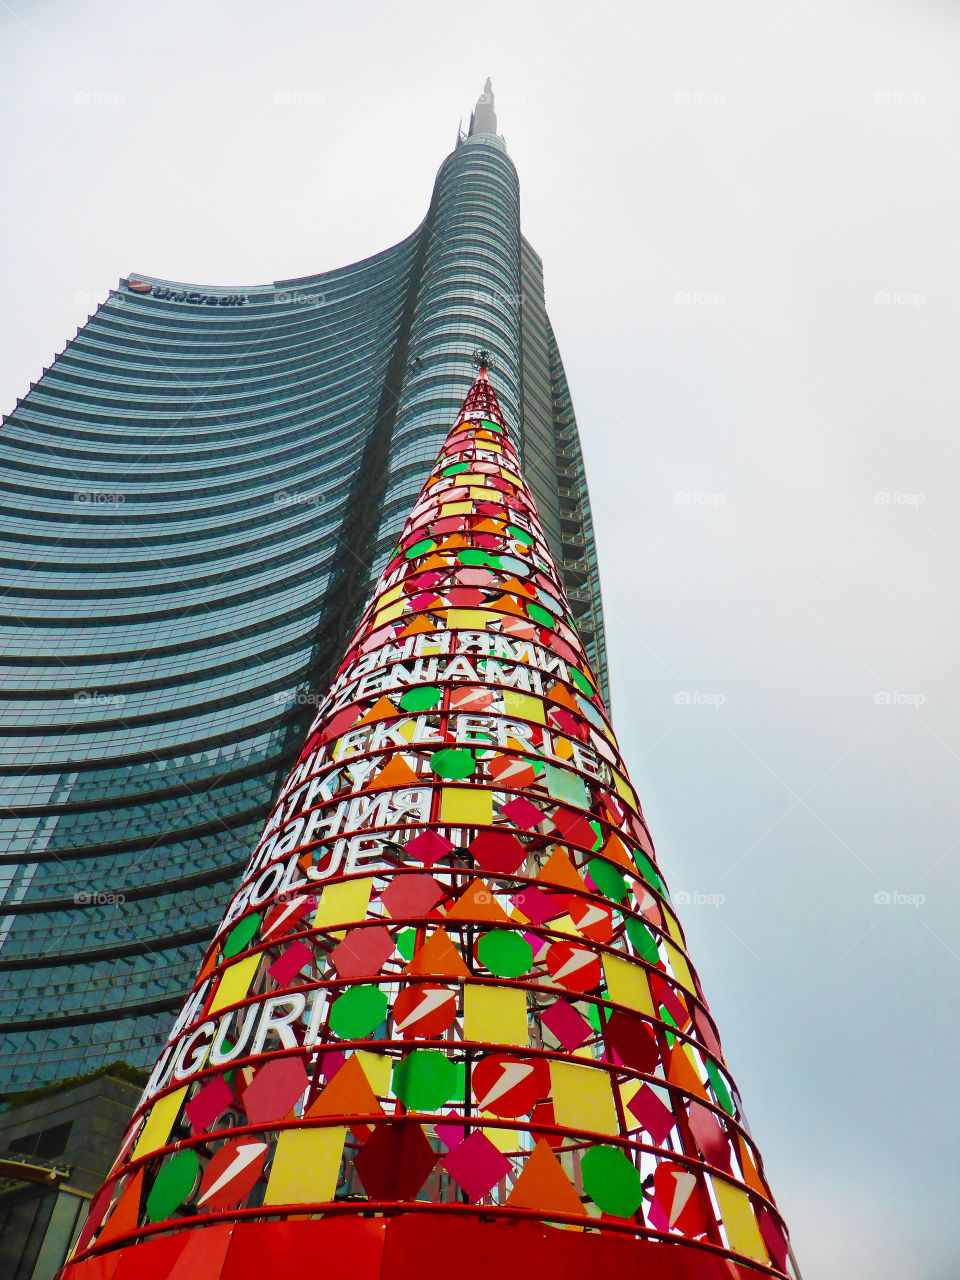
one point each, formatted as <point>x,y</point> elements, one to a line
<point>421,698</point>
<point>537,613</point>
<point>719,1086</point>
<point>643,940</point>
<point>474,557</point>
<point>173,1184</point>
<point>612,1181</point>
<point>420,548</point>
<point>358,1012</point>
<point>607,879</point>
<point>240,936</point>
<point>581,681</point>
<point>505,953</point>
<point>425,1079</point>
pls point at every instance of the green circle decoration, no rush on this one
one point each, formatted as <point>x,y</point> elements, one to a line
<point>455,469</point>
<point>521,535</point>
<point>453,762</point>
<point>421,548</point>
<point>505,953</point>
<point>425,1079</point>
<point>612,1181</point>
<point>421,698</point>
<point>607,879</point>
<point>475,557</point>
<point>240,936</point>
<point>172,1185</point>
<point>357,1012</point>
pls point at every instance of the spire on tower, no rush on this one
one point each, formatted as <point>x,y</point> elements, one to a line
<point>483,118</point>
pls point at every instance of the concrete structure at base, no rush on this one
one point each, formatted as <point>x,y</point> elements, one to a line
<point>55,1150</point>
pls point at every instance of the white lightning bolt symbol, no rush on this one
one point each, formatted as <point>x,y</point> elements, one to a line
<point>593,915</point>
<point>291,907</point>
<point>429,1001</point>
<point>578,960</point>
<point>682,1190</point>
<point>513,1074</point>
<point>245,1155</point>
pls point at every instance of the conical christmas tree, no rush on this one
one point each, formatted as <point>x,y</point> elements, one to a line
<point>448,1020</point>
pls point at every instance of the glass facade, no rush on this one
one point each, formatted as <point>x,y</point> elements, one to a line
<point>196,493</point>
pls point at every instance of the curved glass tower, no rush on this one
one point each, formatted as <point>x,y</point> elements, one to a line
<point>197,493</point>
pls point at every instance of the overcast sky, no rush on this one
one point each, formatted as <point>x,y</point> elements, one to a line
<point>749,215</point>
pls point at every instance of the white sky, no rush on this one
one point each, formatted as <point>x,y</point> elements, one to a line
<point>792,167</point>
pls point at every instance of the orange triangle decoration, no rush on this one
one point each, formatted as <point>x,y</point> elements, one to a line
<point>396,773</point>
<point>478,903</point>
<point>417,627</point>
<point>558,869</point>
<point>209,964</point>
<point>437,958</point>
<point>382,709</point>
<point>750,1175</point>
<point>506,604</point>
<point>543,1186</point>
<point>348,1094</point>
<point>561,695</point>
<point>616,851</point>
<point>489,526</point>
<point>681,1072</point>
<point>453,543</point>
<point>515,585</point>
<point>435,562</point>
<point>126,1212</point>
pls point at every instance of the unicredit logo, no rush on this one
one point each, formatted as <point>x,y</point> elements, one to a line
<point>194,297</point>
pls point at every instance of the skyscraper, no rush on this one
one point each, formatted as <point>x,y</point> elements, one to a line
<point>448,1020</point>
<point>199,493</point>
